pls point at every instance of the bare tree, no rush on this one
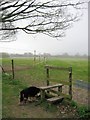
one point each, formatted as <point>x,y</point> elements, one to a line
<point>50,17</point>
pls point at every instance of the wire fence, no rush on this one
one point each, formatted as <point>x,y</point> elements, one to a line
<point>11,66</point>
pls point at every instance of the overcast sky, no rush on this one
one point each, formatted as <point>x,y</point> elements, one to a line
<point>76,41</point>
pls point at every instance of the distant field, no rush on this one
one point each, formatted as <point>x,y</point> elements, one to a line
<point>27,70</point>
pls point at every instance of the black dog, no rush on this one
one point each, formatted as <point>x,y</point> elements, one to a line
<point>28,92</point>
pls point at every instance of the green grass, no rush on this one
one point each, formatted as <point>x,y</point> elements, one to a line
<point>83,111</point>
<point>0,95</point>
<point>10,95</point>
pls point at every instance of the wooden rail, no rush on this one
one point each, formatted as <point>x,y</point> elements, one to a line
<point>51,86</point>
<point>55,67</point>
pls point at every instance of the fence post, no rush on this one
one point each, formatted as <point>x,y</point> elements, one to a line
<point>47,72</point>
<point>34,56</point>
<point>44,60</point>
<point>39,58</point>
<point>70,81</point>
<point>2,69</point>
<point>13,68</point>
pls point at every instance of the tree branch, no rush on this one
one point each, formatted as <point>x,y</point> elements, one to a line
<point>32,16</point>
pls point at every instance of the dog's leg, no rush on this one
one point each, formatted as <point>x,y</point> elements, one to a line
<point>34,98</point>
<point>21,98</point>
<point>30,99</point>
<point>25,100</point>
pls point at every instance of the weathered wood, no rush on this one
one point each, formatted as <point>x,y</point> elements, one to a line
<point>44,59</point>
<point>55,99</point>
<point>47,67</point>
<point>47,72</point>
<point>64,82</point>
<point>34,55</point>
<point>70,81</point>
<point>13,69</point>
<point>59,89</point>
<point>55,92</point>
<point>42,89</point>
<point>2,69</point>
<point>42,95</point>
<point>51,86</point>
<point>55,67</point>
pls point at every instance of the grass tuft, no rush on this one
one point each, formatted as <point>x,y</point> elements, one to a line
<point>83,111</point>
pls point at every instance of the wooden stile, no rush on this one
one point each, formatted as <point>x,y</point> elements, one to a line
<point>69,69</point>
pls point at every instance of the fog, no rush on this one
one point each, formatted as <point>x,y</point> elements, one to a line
<point>75,41</point>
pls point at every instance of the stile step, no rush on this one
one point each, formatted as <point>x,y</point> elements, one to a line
<point>55,99</point>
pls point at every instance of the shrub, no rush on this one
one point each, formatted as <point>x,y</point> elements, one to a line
<point>73,104</point>
<point>83,111</point>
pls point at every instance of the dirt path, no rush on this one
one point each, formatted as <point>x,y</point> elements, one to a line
<point>80,95</point>
<point>30,111</point>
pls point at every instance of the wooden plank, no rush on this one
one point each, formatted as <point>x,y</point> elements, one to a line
<point>64,82</point>
<point>54,99</point>
<point>56,92</point>
<point>55,67</point>
<point>51,86</point>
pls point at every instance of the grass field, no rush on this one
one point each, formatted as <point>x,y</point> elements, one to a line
<point>28,72</point>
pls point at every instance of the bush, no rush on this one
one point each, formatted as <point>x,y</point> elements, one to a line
<point>83,111</point>
<point>73,104</point>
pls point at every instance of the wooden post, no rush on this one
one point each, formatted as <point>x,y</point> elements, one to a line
<point>60,89</point>
<point>34,55</point>
<point>44,59</point>
<point>39,58</point>
<point>13,69</point>
<point>42,95</point>
<point>47,72</point>
<point>70,81</point>
<point>2,69</point>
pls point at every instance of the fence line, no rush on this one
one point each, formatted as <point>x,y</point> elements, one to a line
<point>12,68</point>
